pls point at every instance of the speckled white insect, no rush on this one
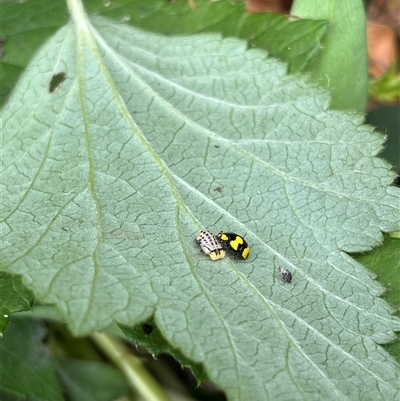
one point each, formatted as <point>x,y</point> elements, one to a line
<point>210,245</point>
<point>286,274</point>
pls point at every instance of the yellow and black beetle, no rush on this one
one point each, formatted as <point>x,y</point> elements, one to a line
<point>236,243</point>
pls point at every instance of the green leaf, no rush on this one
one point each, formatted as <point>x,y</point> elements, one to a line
<point>27,368</point>
<point>385,262</point>
<point>386,119</point>
<point>85,380</point>
<point>386,88</point>
<point>342,64</point>
<point>25,26</point>
<point>147,335</point>
<point>15,297</point>
<point>28,24</point>
<point>295,42</point>
<point>9,76</point>
<point>108,179</point>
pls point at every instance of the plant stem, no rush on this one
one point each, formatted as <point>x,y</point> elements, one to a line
<point>138,377</point>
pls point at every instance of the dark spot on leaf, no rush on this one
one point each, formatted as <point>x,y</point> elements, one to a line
<point>147,328</point>
<point>56,81</point>
<point>218,189</point>
<point>216,146</point>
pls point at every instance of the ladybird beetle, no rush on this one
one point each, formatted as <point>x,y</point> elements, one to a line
<point>236,242</point>
<point>286,274</point>
<point>210,245</point>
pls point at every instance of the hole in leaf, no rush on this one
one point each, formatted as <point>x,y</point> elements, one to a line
<point>56,81</point>
<point>147,328</point>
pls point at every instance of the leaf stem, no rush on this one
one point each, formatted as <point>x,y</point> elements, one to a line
<point>138,377</point>
<point>78,14</point>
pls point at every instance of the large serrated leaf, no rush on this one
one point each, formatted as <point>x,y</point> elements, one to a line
<point>109,176</point>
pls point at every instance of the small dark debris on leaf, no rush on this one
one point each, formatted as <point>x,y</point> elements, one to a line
<point>218,189</point>
<point>286,274</point>
<point>56,81</point>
